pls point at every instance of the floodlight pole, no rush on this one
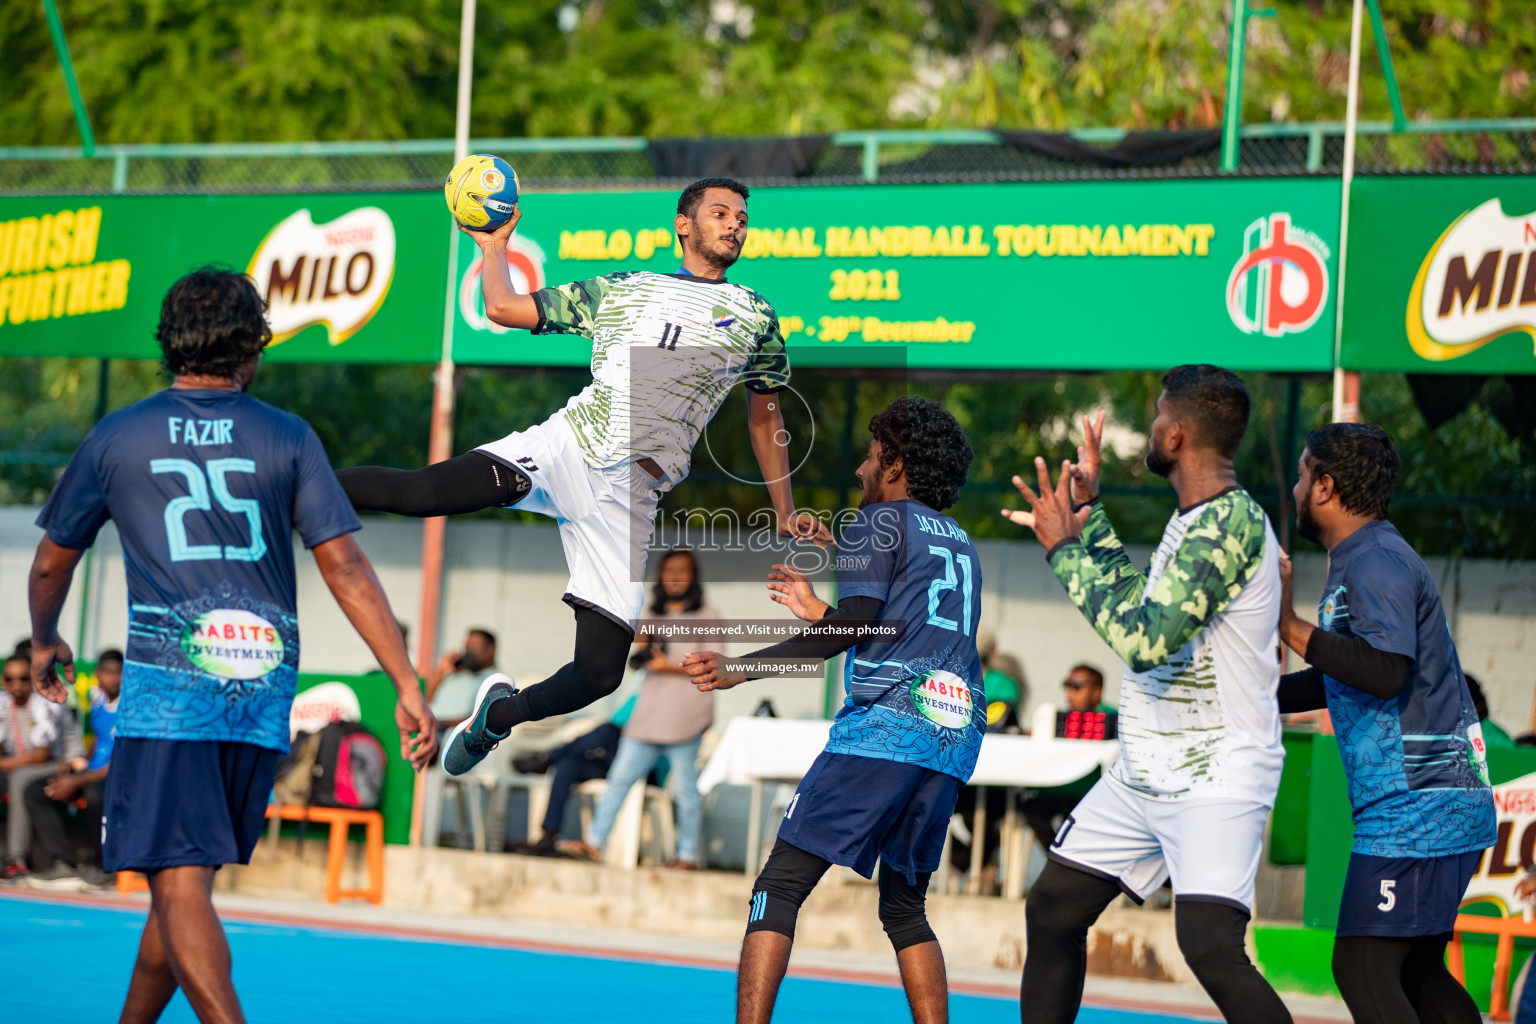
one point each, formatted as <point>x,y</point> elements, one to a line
<point>1346,386</point>
<point>440,441</point>
<point>61,47</point>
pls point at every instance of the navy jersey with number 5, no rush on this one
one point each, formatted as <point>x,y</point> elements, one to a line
<point>917,699</point>
<point>206,488</point>
<point>1417,768</point>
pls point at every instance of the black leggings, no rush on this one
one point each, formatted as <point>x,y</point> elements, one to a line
<point>466,483</point>
<point>1064,903</point>
<point>602,647</point>
<point>469,483</point>
<point>1390,981</point>
<point>790,875</point>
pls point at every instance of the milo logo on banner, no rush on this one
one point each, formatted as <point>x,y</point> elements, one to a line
<point>336,274</point>
<point>233,644</point>
<point>1477,282</point>
<point>943,698</point>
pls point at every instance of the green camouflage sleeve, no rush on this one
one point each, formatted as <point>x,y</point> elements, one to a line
<point>1108,554</point>
<point>1218,555</point>
<point>768,368</point>
<point>572,308</point>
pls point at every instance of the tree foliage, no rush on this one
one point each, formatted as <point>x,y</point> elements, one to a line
<point>284,70</point>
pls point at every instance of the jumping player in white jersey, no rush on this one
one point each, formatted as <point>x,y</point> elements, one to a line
<point>666,350</point>
<point>1199,722</point>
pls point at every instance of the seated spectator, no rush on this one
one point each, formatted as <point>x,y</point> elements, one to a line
<point>51,801</point>
<point>1084,690</point>
<point>35,737</point>
<point>454,681</point>
<point>587,757</point>
<point>1493,735</point>
<point>1045,809</point>
<point>669,719</point>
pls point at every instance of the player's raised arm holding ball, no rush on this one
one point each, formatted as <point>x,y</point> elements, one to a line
<point>1199,727</point>
<point>666,350</point>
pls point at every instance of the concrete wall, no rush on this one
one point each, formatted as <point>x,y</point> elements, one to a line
<point>508,577</point>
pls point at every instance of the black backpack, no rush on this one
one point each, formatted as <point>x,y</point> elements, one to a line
<point>349,768</point>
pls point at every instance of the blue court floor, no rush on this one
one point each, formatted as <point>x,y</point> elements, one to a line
<point>63,962</point>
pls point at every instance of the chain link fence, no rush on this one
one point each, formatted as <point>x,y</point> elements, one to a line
<point>1488,147</point>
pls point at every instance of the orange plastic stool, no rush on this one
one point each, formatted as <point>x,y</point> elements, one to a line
<point>131,881</point>
<point>1506,928</point>
<point>341,819</point>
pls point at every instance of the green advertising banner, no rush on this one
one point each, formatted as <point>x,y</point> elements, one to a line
<point>349,278</point>
<point>1070,275</point>
<point>1442,275</point>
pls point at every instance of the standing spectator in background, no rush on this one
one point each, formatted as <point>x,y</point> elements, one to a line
<point>669,719</point>
<point>455,679</point>
<point>1084,689</point>
<point>49,801</point>
<point>36,736</point>
<point>1493,734</point>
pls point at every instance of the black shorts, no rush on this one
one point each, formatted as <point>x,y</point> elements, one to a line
<point>175,803</point>
<point>1404,897</point>
<point>857,811</point>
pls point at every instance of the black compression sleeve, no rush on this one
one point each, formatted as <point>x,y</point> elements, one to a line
<point>1302,691</point>
<point>828,636</point>
<point>1354,662</point>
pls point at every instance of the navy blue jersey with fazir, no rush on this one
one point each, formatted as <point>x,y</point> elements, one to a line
<point>917,699</point>
<point>1418,775</point>
<point>206,488</point>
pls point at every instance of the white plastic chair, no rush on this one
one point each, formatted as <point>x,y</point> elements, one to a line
<point>643,804</point>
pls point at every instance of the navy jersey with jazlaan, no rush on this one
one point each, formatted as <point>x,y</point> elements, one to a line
<point>917,699</point>
<point>206,488</point>
<point>1418,775</point>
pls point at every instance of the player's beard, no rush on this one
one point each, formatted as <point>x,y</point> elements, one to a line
<point>715,251</point>
<point>1158,462</point>
<point>1307,524</point>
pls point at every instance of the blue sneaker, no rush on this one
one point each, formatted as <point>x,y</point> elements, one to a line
<point>472,739</point>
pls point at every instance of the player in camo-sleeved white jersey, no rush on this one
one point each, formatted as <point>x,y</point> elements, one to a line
<point>666,350</point>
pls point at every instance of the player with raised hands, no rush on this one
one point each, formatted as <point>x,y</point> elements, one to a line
<point>1199,727</point>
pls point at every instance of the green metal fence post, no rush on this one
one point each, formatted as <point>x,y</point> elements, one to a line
<point>61,47</point>
<point>120,172</point>
<point>1234,116</point>
<point>1379,30</point>
<point>871,167</point>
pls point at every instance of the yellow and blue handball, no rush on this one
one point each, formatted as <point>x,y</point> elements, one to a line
<point>481,192</point>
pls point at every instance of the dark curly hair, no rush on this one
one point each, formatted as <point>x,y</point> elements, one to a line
<point>693,195</point>
<point>1362,461</point>
<point>931,446</point>
<point>211,323</point>
<point>1214,401</point>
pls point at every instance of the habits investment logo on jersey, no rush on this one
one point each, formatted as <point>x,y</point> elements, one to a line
<point>1469,290</point>
<point>1279,285</point>
<point>525,265</point>
<point>336,274</point>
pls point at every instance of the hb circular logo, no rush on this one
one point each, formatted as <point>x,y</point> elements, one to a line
<point>492,179</point>
<point>1280,284</point>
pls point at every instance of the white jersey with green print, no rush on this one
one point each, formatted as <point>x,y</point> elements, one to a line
<point>666,350</point>
<point>1199,637</point>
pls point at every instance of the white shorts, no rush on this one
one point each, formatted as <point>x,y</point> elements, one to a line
<point>606,515</point>
<point>1210,847</point>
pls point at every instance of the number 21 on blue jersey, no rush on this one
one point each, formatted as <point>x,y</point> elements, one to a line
<point>946,583</point>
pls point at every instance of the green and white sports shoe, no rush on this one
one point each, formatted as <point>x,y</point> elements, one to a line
<point>472,739</point>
